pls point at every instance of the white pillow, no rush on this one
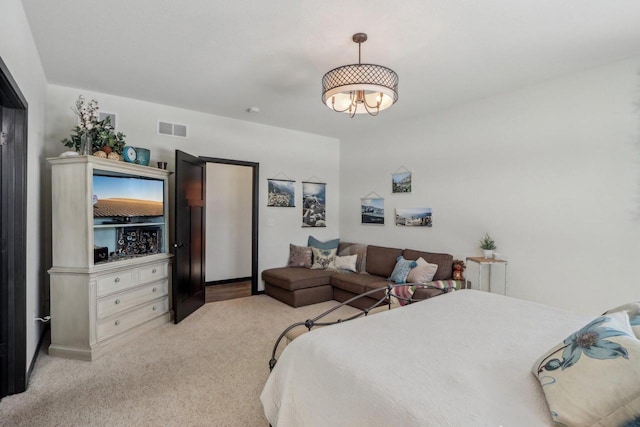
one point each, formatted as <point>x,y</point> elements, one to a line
<point>592,377</point>
<point>347,262</point>
<point>633,310</point>
<point>423,272</point>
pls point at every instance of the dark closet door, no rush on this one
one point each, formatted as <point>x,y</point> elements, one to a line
<point>188,265</point>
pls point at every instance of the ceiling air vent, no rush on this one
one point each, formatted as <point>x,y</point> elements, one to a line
<point>165,128</point>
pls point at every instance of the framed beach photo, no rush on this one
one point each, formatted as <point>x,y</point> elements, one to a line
<point>281,193</point>
<point>314,213</point>
<point>372,210</point>
<point>417,217</point>
<point>401,182</point>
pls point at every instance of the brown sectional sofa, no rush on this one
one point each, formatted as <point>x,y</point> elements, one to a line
<point>301,286</point>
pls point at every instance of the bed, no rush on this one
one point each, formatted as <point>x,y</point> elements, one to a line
<point>460,359</point>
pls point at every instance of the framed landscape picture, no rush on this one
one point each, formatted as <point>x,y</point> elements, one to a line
<point>314,204</point>
<point>401,182</point>
<point>281,193</point>
<point>372,211</point>
<point>418,217</point>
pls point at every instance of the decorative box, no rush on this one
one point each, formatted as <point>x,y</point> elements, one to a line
<point>100,254</point>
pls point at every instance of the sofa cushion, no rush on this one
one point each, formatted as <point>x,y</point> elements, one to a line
<point>329,244</point>
<point>322,258</point>
<point>356,283</point>
<point>355,249</point>
<point>299,256</point>
<point>344,263</point>
<point>381,261</point>
<point>296,278</point>
<point>423,272</point>
<point>401,270</point>
<point>444,261</point>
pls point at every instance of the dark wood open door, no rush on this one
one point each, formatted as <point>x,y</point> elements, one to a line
<point>188,265</point>
<point>13,236</point>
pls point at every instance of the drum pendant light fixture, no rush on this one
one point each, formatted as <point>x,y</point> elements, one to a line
<point>360,88</point>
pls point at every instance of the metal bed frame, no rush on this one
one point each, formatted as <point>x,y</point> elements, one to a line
<point>385,300</point>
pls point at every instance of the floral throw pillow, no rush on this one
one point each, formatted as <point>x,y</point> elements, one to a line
<point>322,258</point>
<point>592,377</point>
<point>299,256</point>
<point>401,270</point>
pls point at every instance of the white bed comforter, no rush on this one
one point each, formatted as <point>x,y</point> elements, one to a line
<point>461,359</point>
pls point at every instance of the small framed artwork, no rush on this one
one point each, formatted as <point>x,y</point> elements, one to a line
<point>372,211</point>
<point>418,217</point>
<point>401,182</point>
<point>281,193</point>
<point>314,213</point>
<point>110,116</point>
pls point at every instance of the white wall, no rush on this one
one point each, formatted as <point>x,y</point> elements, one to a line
<point>298,155</point>
<point>550,171</point>
<point>19,53</point>
<point>229,213</point>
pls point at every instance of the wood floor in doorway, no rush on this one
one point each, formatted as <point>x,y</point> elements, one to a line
<point>227,291</point>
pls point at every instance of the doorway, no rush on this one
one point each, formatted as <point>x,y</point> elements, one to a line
<point>13,235</point>
<point>190,231</point>
<point>232,228</point>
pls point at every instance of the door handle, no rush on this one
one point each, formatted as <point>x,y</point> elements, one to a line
<point>178,245</point>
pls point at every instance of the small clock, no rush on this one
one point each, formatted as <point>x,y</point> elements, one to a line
<point>129,154</point>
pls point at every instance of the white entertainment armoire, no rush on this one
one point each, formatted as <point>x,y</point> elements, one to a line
<point>110,275</point>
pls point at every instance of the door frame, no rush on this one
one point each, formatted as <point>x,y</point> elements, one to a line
<point>255,170</point>
<point>13,250</point>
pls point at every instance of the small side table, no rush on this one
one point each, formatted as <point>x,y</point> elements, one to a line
<point>488,261</point>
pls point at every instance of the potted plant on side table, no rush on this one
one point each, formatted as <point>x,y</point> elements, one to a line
<point>488,245</point>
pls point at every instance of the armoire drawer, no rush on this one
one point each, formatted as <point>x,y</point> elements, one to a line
<point>125,300</point>
<point>110,283</point>
<point>152,272</point>
<point>117,323</point>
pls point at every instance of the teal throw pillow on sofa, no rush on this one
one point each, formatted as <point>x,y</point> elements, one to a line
<point>401,270</point>
<point>329,244</point>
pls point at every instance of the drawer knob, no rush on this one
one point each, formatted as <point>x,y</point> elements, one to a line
<point>117,322</point>
<point>154,289</point>
<point>155,308</point>
<point>117,280</point>
<point>117,301</point>
<point>153,271</point>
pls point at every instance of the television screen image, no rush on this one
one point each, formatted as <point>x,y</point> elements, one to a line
<point>121,197</point>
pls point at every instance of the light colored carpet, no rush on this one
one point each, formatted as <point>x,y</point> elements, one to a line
<point>208,370</point>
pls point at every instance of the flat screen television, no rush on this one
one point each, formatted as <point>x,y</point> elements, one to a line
<point>128,216</point>
<point>127,199</point>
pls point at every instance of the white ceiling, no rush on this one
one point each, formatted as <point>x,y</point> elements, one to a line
<point>224,56</point>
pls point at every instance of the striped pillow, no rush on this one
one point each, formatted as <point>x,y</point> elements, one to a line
<point>445,284</point>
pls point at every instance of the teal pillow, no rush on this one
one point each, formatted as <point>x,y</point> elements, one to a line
<point>329,244</point>
<point>401,270</point>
